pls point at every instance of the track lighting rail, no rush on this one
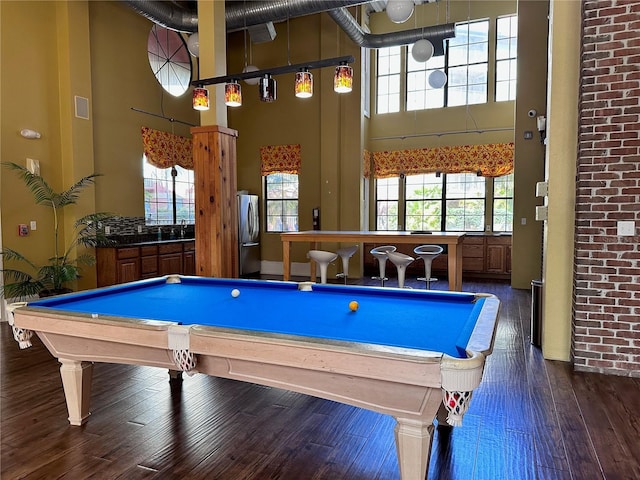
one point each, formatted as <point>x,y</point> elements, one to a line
<point>329,62</point>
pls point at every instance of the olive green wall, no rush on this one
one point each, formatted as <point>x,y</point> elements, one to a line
<point>562,152</point>
<point>51,52</point>
<point>36,51</point>
<point>425,123</point>
<point>122,79</point>
<point>526,252</point>
<point>327,126</point>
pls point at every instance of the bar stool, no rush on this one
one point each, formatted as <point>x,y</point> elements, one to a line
<point>322,258</point>
<point>401,261</point>
<point>428,253</point>
<point>381,254</point>
<point>346,253</point>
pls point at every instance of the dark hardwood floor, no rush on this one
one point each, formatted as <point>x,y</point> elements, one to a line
<point>529,419</point>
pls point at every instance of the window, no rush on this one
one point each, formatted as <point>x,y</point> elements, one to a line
<point>423,204</point>
<point>421,95</point>
<point>447,202</point>
<point>464,202</point>
<point>503,203</point>
<point>281,202</point>
<point>465,62</point>
<point>169,196</point>
<point>388,88</point>
<point>468,64</point>
<point>387,203</point>
<point>506,57</point>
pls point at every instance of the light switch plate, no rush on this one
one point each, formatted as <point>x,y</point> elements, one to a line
<point>33,166</point>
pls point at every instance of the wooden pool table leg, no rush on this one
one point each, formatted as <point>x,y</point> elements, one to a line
<point>76,380</point>
<point>413,444</point>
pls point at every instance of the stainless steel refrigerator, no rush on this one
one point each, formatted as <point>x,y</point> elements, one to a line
<point>248,234</point>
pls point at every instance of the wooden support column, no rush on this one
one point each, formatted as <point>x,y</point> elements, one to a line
<point>214,160</point>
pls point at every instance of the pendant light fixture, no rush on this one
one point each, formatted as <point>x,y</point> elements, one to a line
<point>343,79</point>
<point>267,89</point>
<point>233,94</point>
<point>304,83</point>
<point>399,11</point>
<point>200,98</point>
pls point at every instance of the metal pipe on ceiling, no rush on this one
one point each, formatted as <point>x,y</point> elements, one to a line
<point>239,15</point>
<point>436,34</point>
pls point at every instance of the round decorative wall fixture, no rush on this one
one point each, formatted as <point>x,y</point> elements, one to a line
<point>169,60</point>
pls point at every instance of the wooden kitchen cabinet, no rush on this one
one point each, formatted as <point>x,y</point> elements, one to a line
<point>169,258</point>
<point>189,258</point>
<point>498,254</point>
<point>148,261</point>
<point>473,253</point>
<point>128,267</point>
<point>117,265</point>
<point>136,262</point>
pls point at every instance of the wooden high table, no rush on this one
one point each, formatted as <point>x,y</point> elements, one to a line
<point>314,237</point>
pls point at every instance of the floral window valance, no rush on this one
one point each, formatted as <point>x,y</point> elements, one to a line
<point>165,150</point>
<point>490,160</point>
<point>280,159</point>
<point>366,163</point>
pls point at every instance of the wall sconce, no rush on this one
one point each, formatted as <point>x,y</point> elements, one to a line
<point>232,94</point>
<point>30,134</point>
<point>542,126</point>
<point>267,89</point>
<point>343,79</point>
<point>200,98</point>
<point>304,83</point>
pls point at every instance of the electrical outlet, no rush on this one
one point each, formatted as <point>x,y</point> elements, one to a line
<point>32,225</point>
<point>626,228</point>
<point>139,228</point>
<point>107,230</point>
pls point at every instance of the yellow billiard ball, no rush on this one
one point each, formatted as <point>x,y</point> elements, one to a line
<point>353,306</point>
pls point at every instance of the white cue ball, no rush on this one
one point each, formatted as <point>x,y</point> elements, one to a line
<point>235,293</point>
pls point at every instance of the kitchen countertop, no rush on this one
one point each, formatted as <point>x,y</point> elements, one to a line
<point>138,240</point>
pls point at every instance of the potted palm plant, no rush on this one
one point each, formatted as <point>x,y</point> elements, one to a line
<point>64,266</point>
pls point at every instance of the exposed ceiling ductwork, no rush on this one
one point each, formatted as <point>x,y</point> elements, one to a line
<point>240,15</point>
<point>435,34</point>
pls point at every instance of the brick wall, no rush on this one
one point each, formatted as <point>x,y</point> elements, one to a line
<point>606,329</point>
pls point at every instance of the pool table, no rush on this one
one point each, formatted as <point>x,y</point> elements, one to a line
<point>416,355</point>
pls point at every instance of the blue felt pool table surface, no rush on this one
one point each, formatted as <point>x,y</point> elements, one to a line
<point>416,319</point>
